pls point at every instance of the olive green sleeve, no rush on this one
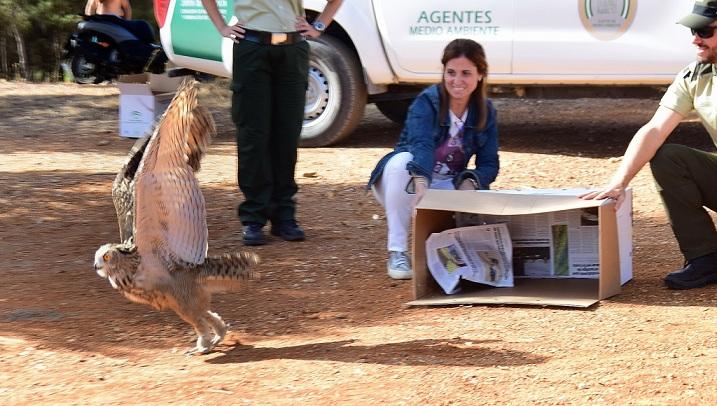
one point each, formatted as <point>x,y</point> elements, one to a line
<point>679,96</point>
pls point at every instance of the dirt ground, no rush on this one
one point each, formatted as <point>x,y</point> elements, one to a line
<point>325,325</point>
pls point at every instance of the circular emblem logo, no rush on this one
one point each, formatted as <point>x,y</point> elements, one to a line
<point>607,19</point>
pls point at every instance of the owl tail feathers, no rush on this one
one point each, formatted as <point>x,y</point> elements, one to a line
<point>228,272</point>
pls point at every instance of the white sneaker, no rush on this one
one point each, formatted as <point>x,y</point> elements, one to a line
<point>399,265</point>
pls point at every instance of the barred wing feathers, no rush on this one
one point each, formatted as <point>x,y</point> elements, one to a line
<point>228,272</point>
<point>170,217</point>
<point>201,132</point>
<point>123,189</point>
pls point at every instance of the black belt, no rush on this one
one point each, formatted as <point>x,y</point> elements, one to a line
<point>272,38</point>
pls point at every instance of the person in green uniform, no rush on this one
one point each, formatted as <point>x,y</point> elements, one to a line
<point>685,177</point>
<point>269,80</point>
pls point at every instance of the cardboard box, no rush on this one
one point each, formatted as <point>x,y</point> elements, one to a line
<point>612,246</point>
<point>162,83</point>
<point>143,99</point>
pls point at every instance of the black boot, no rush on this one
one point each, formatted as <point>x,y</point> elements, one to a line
<point>253,234</point>
<point>698,272</point>
<point>289,230</point>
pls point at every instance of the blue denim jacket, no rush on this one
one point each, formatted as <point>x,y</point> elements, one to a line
<point>423,132</point>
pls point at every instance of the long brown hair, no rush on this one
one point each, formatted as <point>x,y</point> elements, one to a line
<point>474,52</point>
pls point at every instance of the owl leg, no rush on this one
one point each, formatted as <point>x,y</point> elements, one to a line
<point>204,334</point>
<point>195,314</point>
<point>204,342</point>
<point>218,326</point>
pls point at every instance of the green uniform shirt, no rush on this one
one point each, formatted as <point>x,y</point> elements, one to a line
<point>694,90</point>
<point>269,15</point>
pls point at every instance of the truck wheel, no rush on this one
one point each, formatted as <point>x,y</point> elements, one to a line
<point>394,110</point>
<point>336,94</point>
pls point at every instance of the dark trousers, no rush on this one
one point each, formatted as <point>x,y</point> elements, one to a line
<point>686,181</point>
<point>269,92</point>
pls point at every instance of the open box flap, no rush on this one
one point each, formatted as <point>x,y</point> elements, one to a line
<point>134,89</point>
<point>609,253</point>
<point>148,84</point>
<point>506,202</point>
<point>579,293</point>
<point>162,83</point>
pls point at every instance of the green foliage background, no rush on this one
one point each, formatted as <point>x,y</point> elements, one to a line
<point>35,32</point>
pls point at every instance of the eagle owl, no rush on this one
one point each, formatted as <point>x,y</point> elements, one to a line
<point>162,260</point>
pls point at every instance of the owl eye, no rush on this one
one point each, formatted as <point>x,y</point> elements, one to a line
<point>106,257</point>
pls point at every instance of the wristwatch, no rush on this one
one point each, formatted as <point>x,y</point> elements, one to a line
<point>318,26</point>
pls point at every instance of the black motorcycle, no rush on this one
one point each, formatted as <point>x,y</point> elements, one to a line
<point>105,46</point>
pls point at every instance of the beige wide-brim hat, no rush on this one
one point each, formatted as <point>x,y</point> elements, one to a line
<point>703,13</point>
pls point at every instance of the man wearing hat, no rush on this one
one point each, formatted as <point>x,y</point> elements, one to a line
<point>686,178</point>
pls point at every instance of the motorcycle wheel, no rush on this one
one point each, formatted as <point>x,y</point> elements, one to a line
<point>84,70</point>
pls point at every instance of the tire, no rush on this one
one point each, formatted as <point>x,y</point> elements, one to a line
<point>84,70</point>
<point>336,94</point>
<point>395,110</point>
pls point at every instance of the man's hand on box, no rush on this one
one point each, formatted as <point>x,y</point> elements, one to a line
<point>613,191</point>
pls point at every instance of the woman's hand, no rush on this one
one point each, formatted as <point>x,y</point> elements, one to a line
<point>306,29</point>
<point>421,185</point>
<point>233,32</point>
<point>468,184</point>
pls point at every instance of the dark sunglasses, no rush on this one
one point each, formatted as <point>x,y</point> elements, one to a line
<point>704,32</point>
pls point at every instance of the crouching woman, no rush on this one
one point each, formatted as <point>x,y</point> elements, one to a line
<point>446,126</point>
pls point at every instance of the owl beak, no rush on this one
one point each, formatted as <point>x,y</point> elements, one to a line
<point>101,272</point>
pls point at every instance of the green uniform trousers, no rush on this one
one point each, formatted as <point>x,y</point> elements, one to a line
<point>686,180</point>
<point>268,96</point>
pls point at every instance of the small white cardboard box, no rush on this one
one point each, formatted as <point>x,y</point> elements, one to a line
<point>605,245</point>
<point>142,102</point>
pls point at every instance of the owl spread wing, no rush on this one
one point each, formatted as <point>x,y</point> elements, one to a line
<point>123,189</point>
<point>170,215</point>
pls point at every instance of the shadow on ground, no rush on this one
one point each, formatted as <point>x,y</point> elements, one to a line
<point>450,352</point>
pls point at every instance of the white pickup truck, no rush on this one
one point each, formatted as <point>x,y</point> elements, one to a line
<point>382,51</point>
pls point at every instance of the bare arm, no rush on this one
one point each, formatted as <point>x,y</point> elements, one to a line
<point>234,32</point>
<point>326,17</point>
<point>641,149</point>
<point>91,7</point>
<point>127,9</point>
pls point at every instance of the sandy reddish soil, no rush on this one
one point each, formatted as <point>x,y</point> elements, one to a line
<point>325,325</point>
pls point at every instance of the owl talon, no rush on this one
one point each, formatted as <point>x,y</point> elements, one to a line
<point>198,351</point>
<point>219,336</point>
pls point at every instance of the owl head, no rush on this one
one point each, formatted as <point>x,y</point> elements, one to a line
<point>111,256</point>
<point>104,257</point>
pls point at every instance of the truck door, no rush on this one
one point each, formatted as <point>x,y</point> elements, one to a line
<point>190,39</point>
<point>415,32</point>
<point>600,41</point>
